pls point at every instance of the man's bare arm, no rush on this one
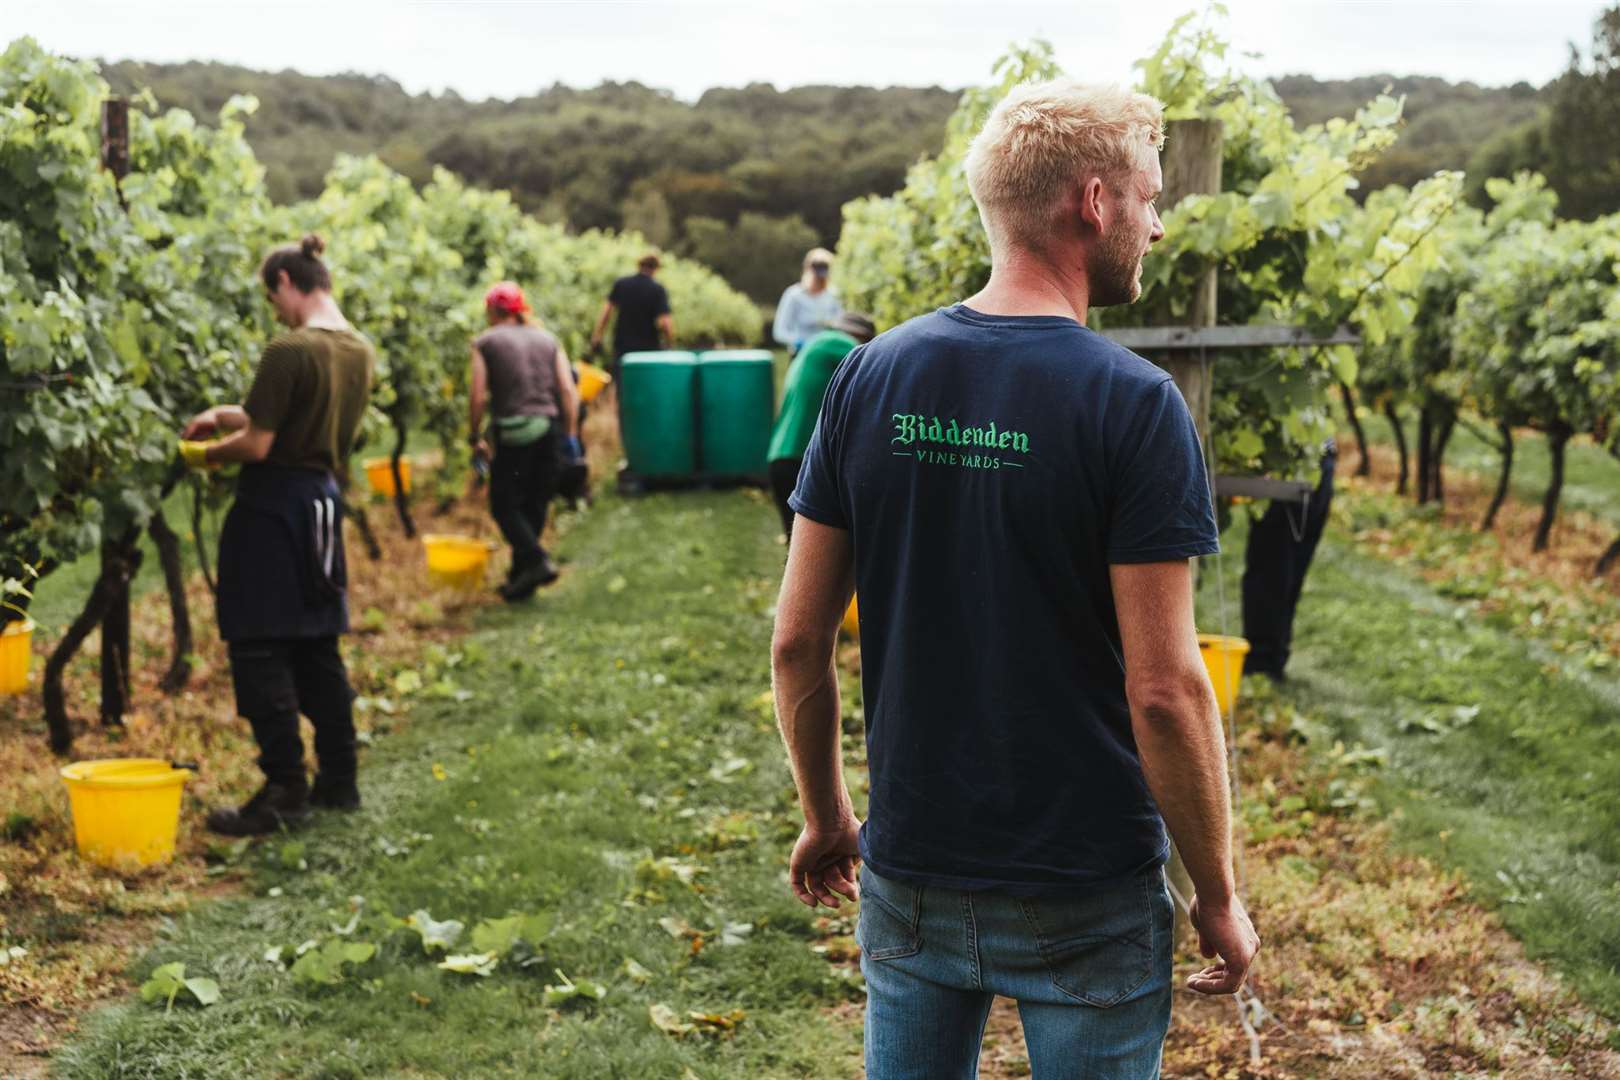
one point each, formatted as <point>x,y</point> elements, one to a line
<point>477,392</point>
<point>666,329</point>
<point>567,394</point>
<point>1183,753</point>
<point>601,323</point>
<point>245,446</point>
<point>815,591</point>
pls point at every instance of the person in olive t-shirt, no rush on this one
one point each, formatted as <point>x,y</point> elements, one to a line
<point>282,575</point>
<point>645,322</point>
<point>807,378</point>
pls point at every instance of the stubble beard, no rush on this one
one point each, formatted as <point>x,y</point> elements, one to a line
<point>1118,275</point>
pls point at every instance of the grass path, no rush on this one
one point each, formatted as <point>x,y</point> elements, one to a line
<point>615,770</point>
<point>616,766</point>
<point>1499,749</point>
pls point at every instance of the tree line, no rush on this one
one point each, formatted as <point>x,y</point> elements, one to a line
<point>746,180</point>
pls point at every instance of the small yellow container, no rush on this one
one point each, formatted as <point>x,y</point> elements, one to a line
<point>126,811</point>
<point>852,619</point>
<point>16,641</point>
<point>592,380</point>
<point>456,562</point>
<point>380,475</point>
<point>1223,656</point>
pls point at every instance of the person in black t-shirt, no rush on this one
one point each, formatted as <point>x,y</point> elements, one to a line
<point>1282,542</point>
<point>644,322</point>
<point>1017,501</point>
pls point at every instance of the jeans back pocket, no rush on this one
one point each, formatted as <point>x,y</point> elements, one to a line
<point>890,910</point>
<point>1099,946</point>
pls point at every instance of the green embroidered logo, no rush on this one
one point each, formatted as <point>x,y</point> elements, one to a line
<point>927,432</point>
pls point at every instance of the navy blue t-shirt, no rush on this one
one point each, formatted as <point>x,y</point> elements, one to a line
<point>989,469</point>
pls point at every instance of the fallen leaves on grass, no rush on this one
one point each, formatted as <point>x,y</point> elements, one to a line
<point>571,991</point>
<point>327,964</point>
<point>482,964</point>
<point>168,981</point>
<point>500,936</point>
<point>668,1021</point>
<point>435,933</point>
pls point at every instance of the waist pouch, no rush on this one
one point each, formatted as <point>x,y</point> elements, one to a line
<point>521,430</point>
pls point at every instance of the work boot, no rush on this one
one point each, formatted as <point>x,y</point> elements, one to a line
<point>276,806</point>
<point>531,577</point>
<point>334,794</point>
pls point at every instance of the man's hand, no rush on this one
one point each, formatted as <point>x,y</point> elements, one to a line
<point>823,864</point>
<point>1225,932</point>
<point>481,450</point>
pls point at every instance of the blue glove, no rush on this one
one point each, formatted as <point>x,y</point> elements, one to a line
<point>572,449</point>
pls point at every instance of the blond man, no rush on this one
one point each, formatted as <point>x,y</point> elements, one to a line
<point>1017,501</point>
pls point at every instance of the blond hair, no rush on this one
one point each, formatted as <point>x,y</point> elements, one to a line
<point>807,278</point>
<point>1045,136</point>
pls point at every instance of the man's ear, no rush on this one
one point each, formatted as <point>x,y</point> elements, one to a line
<point>1092,209</point>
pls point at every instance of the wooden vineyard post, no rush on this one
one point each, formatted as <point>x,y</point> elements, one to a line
<point>114,568</point>
<point>120,559</point>
<point>1192,166</point>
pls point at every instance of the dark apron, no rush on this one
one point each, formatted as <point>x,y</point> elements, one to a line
<point>282,573</point>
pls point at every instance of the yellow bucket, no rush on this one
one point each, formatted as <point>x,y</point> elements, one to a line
<point>1223,657</point>
<point>380,475</point>
<point>15,642</point>
<point>592,380</point>
<point>456,562</point>
<point>852,619</point>
<point>125,811</point>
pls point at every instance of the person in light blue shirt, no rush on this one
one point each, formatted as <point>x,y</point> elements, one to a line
<point>809,304</point>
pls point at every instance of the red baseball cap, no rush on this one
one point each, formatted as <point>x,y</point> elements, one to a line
<point>506,298</point>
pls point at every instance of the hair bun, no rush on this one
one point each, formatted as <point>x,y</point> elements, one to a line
<point>312,246</point>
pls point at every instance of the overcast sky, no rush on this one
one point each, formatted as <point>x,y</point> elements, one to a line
<point>488,49</point>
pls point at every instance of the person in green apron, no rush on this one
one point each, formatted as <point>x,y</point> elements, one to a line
<point>806,383</point>
<point>282,598</point>
<point>520,375</point>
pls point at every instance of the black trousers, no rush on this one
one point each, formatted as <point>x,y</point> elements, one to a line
<point>784,474</point>
<point>1281,546</point>
<point>276,680</point>
<point>522,482</point>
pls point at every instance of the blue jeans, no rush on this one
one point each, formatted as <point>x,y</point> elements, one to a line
<point>1090,973</point>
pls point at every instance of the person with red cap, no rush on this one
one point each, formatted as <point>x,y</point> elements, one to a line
<point>520,377</point>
